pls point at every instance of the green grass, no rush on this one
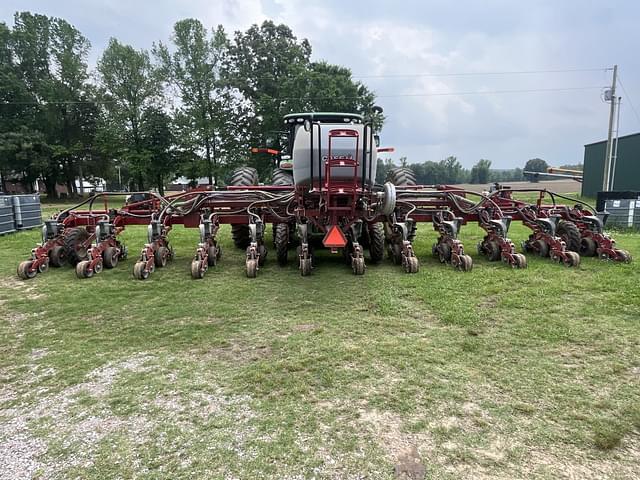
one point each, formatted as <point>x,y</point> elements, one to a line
<point>494,373</point>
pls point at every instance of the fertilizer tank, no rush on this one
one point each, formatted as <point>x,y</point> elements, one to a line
<point>311,144</point>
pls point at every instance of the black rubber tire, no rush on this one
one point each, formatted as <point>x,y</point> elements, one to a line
<point>401,176</point>
<point>412,265</point>
<point>82,269</point>
<point>542,248</point>
<point>395,252</point>
<point>569,233</point>
<point>110,257</point>
<point>404,176</point>
<point>466,263</point>
<point>492,251</point>
<point>23,270</point>
<point>262,250</point>
<point>306,266</point>
<point>357,265</point>
<point>444,252</point>
<point>520,261</point>
<point>160,257</point>
<point>196,270</point>
<point>212,256</point>
<point>572,260</point>
<point>251,268</point>
<point>376,242</point>
<point>58,256</point>
<point>243,176</point>
<point>588,247</point>
<point>280,177</point>
<point>72,240</point>
<point>281,242</point>
<point>140,272</point>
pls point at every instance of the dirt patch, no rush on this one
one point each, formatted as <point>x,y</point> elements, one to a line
<point>14,287</point>
<point>305,327</point>
<point>38,353</point>
<point>205,405</point>
<point>240,353</point>
<point>409,466</point>
<point>488,303</point>
<point>7,394</point>
<point>402,448</point>
<point>23,451</point>
<point>573,464</point>
<point>14,319</point>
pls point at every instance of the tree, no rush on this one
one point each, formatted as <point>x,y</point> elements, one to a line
<point>452,170</point>
<point>273,71</point>
<point>330,88</point>
<point>23,152</point>
<point>536,165</point>
<point>212,115</point>
<point>266,64</point>
<point>157,141</point>
<point>383,168</point>
<point>480,171</point>
<point>48,58</point>
<point>130,86</point>
<point>13,115</point>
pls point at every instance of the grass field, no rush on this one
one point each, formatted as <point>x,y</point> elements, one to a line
<point>497,373</point>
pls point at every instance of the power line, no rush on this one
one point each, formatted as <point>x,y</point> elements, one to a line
<point>491,92</point>
<point>397,95</point>
<point>464,74</point>
<point>629,99</point>
<point>446,74</point>
<point>446,94</point>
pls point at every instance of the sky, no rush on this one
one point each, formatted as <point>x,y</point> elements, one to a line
<point>427,61</point>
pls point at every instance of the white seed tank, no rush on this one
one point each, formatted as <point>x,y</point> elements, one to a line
<point>340,146</point>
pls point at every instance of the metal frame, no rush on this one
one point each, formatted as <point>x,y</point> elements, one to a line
<point>348,204</point>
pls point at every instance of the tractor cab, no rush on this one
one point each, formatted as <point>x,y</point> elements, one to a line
<point>294,121</point>
<point>283,158</point>
<point>345,140</point>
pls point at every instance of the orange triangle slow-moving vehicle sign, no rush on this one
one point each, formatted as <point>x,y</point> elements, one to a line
<point>334,238</point>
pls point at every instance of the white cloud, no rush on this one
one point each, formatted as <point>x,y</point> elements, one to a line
<point>382,38</point>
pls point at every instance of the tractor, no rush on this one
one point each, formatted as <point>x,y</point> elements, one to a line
<point>323,194</point>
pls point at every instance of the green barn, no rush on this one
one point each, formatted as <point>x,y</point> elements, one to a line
<point>627,173</point>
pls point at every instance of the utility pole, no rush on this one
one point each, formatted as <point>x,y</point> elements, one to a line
<point>614,155</point>
<point>607,158</point>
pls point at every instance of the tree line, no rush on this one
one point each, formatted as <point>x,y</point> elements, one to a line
<point>191,106</point>
<point>450,171</point>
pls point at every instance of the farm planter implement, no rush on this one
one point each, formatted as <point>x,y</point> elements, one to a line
<point>323,193</point>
